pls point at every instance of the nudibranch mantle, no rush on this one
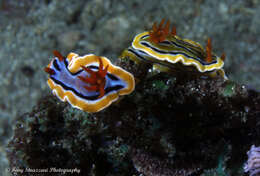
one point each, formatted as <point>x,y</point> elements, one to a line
<point>69,77</point>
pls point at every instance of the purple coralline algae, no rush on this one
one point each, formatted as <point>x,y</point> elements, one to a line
<point>253,163</point>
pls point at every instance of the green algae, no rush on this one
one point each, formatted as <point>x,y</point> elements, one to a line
<point>160,85</point>
<point>229,89</point>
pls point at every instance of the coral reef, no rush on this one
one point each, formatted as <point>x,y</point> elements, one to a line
<point>55,136</point>
<point>172,124</point>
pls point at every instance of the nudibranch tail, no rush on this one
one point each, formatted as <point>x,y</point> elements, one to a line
<point>89,82</point>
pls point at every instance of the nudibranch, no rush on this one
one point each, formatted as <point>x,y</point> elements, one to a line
<point>166,51</point>
<point>90,83</point>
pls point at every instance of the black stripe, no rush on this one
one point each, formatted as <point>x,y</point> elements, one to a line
<point>147,60</point>
<point>176,53</point>
<point>166,42</point>
<point>135,53</point>
<point>66,62</point>
<point>56,66</point>
<point>107,90</point>
<point>194,52</point>
<point>144,36</point>
<point>174,44</point>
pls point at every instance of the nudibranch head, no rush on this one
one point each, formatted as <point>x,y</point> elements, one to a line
<point>90,82</point>
<point>166,51</point>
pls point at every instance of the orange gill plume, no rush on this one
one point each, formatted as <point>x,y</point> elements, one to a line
<point>159,34</point>
<point>96,80</point>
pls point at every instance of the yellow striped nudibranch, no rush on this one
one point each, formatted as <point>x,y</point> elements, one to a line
<point>90,82</point>
<point>168,52</point>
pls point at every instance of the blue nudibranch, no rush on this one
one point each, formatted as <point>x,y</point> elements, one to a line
<point>88,82</point>
<point>167,52</point>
